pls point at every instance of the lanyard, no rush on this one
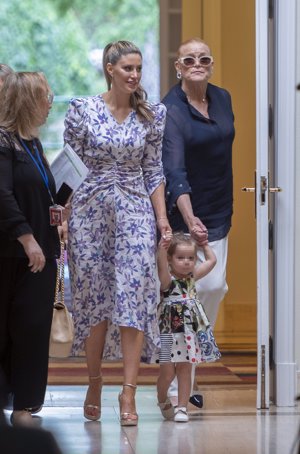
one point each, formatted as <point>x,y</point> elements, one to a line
<point>39,165</point>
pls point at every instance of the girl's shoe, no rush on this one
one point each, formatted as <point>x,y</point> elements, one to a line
<point>127,418</point>
<point>181,414</point>
<point>166,408</point>
<point>21,418</point>
<point>93,411</point>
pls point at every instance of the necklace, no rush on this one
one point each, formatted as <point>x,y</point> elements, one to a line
<point>202,100</point>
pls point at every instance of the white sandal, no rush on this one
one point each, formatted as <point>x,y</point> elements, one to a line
<point>181,414</point>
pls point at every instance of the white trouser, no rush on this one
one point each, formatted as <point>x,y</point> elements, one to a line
<point>211,290</point>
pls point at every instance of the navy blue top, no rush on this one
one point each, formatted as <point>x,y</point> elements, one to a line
<point>197,159</point>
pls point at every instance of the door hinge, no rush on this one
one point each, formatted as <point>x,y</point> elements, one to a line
<point>271,236</point>
<point>271,9</point>
<point>271,122</point>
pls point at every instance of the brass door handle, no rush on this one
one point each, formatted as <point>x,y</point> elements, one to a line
<point>275,189</point>
<point>263,190</point>
<point>245,189</point>
<point>248,189</point>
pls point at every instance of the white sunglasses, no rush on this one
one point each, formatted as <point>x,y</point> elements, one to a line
<point>189,61</point>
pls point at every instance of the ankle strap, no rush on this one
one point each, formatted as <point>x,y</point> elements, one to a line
<point>130,385</point>
<point>95,377</point>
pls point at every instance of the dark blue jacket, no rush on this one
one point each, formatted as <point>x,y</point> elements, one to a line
<point>197,159</point>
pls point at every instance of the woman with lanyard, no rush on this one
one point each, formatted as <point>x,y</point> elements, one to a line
<point>29,242</point>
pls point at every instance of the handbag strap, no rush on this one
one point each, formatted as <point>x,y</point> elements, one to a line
<point>59,296</point>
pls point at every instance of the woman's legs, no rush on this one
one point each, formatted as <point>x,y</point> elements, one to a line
<point>94,345</point>
<point>26,315</point>
<point>132,343</point>
<point>30,320</point>
<point>212,288</point>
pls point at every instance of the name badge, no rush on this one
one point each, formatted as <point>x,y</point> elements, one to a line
<point>56,217</point>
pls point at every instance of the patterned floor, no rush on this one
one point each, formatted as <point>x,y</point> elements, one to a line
<point>232,369</point>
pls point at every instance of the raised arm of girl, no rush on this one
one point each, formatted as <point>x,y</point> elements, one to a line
<point>205,267</point>
<point>162,261</point>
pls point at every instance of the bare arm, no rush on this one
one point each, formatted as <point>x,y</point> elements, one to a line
<point>204,268</point>
<point>159,206</point>
<point>196,228</point>
<point>162,262</point>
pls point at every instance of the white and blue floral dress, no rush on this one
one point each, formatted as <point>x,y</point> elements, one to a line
<point>112,229</point>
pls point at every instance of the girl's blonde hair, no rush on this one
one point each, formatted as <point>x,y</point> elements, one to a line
<point>181,238</point>
<point>20,107</point>
<point>112,54</point>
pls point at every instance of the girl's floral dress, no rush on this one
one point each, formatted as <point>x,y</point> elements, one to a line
<point>185,332</point>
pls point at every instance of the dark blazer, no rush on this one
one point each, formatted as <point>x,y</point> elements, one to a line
<point>25,199</point>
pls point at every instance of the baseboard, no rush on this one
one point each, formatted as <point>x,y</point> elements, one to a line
<point>298,383</point>
<point>286,384</point>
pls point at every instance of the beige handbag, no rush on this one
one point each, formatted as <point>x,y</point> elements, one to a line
<point>62,329</point>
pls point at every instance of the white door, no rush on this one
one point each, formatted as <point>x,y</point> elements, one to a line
<point>262,203</point>
<point>284,237</point>
<point>275,159</point>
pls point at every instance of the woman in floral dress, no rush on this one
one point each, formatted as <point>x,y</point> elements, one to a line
<point>112,229</point>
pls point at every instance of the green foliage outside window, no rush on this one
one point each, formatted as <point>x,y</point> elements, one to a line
<point>60,37</point>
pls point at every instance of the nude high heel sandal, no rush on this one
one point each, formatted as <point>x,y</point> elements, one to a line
<point>127,418</point>
<point>92,411</point>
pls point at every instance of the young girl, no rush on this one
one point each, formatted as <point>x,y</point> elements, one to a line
<point>186,336</point>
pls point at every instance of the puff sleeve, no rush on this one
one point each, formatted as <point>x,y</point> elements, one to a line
<point>152,158</point>
<point>76,125</point>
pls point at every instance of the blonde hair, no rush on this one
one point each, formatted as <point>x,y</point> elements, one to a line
<point>181,238</point>
<point>192,40</point>
<point>112,54</point>
<point>20,107</point>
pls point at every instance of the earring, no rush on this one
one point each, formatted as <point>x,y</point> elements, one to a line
<point>178,75</point>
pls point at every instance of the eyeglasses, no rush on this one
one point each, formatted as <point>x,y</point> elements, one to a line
<point>50,97</point>
<point>189,61</point>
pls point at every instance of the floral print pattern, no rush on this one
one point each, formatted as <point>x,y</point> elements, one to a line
<point>186,335</point>
<point>112,229</point>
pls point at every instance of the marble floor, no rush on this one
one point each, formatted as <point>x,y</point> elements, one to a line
<point>228,424</point>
